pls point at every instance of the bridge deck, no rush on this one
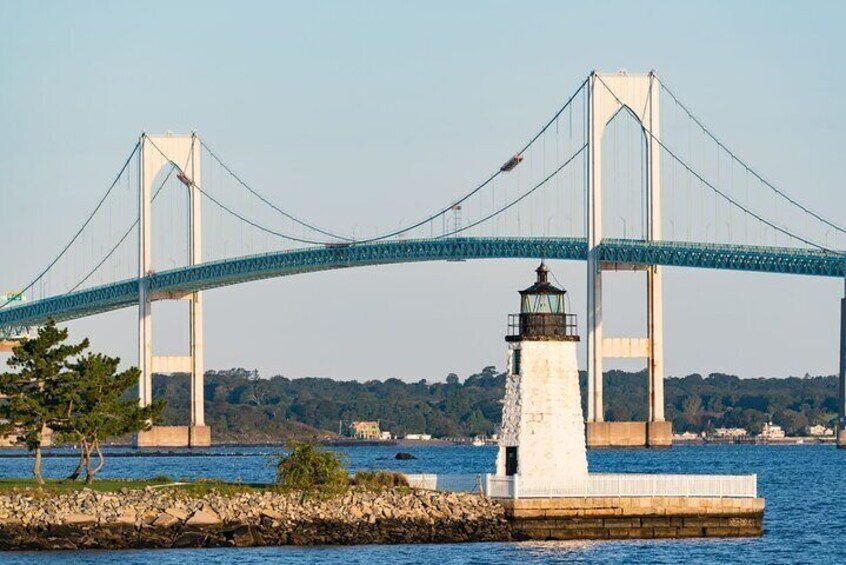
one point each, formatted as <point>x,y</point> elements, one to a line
<point>285,263</point>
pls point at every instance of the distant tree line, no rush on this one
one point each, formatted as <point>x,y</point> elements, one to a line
<point>240,406</point>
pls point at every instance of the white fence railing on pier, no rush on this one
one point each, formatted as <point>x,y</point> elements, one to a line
<point>451,483</point>
<point>595,485</point>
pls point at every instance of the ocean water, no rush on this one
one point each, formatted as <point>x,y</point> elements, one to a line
<point>805,519</point>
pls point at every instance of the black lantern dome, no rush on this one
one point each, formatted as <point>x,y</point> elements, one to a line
<point>542,297</point>
<point>543,313</point>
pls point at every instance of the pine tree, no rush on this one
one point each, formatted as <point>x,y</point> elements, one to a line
<point>32,401</point>
<point>98,409</point>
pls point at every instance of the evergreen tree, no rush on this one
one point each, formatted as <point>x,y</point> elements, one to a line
<point>94,394</point>
<point>32,401</point>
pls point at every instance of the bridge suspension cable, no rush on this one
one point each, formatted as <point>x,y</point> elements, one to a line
<point>255,193</point>
<point>457,230</point>
<point>736,158</point>
<point>124,237</point>
<point>441,212</point>
<point>233,212</point>
<point>79,232</point>
<point>732,201</point>
<point>485,183</point>
<point>520,198</point>
<point>716,190</point>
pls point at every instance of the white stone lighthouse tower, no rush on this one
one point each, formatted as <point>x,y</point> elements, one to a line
<point>543,430</point>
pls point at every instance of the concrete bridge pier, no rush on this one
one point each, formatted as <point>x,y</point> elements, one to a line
<point>158,152</point>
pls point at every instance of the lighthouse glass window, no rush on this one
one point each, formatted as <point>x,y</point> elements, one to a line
<point>543,304</point>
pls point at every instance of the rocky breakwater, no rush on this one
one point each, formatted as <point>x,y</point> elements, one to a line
<point>170,517</point>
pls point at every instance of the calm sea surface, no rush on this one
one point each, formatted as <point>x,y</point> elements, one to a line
<point>805,520</point>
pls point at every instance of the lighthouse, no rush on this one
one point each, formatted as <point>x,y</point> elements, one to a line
<point>543,432</point>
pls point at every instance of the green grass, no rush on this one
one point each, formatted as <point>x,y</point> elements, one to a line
<point>115,485</point>
<point>363,480</point>
<point>378,480</point>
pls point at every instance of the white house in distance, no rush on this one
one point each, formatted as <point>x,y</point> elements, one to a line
<point>819,431</point>
<point>731,433</point>
<point>772,431</point>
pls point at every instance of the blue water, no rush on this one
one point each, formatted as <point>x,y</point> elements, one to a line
<point>805,520</point>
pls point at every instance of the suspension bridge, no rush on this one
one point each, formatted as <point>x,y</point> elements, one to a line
<point>623,176</point>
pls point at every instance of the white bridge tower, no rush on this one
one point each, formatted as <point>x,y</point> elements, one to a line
<point>609,94</point>
<point>157,152</point>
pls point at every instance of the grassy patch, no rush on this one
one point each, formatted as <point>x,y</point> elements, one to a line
<point>197,488</point>
<point>377,480</point>
<point>362,481</point>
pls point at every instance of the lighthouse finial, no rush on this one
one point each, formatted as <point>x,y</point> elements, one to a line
<point>543,272</point>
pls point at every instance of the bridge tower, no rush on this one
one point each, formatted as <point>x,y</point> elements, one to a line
<point>609,94</point>
<point>158,152</point>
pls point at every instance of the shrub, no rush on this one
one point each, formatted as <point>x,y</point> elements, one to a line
<point>307,468</point>
<point>380,479</point>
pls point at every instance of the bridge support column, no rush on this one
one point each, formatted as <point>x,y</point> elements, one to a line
<point>658,434</point>
<point>595,405</point>
<point>145,265</point>
<point>200,433</point>
<point>158,152</point>
<point>609,94</point>
<point>593,221</point>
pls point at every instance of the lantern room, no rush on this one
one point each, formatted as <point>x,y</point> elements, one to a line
<point>543,313</point>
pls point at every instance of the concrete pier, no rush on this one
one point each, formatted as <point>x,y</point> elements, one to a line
<point>629,434</point>
<point>634,517</point>
<point>174,436</point>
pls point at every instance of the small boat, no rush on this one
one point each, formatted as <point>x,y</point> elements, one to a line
<point>478,442</point>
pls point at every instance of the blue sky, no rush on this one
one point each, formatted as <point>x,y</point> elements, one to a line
<point>361,114</point>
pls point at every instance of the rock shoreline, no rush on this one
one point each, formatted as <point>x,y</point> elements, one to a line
<point>170,518</point>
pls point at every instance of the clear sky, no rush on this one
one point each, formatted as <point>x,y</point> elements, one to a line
<point>361,114</point>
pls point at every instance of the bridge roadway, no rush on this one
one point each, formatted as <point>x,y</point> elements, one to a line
<point>214,274</point>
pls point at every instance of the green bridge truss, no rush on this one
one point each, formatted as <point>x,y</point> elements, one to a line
<point>285,263</point>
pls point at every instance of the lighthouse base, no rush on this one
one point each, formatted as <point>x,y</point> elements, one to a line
<point>629,434</point>
<point>636,517</point>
